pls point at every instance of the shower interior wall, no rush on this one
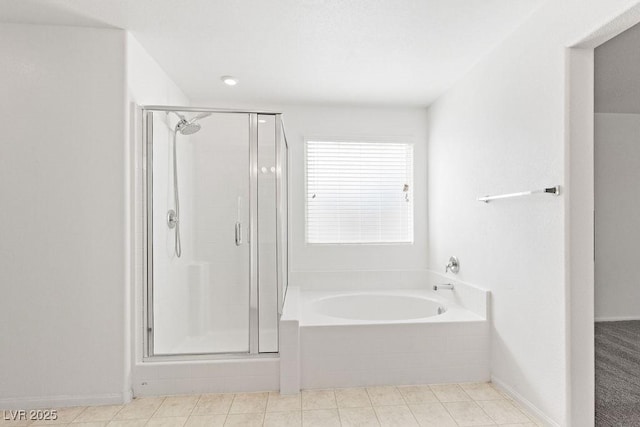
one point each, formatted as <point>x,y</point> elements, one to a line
<point>201,300</point>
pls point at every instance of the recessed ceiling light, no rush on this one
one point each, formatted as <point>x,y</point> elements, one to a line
<point>229,80</point>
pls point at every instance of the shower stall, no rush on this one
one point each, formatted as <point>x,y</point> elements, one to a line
<point>215,212</point>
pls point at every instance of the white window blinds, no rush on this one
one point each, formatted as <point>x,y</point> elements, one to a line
<point>359,192</point>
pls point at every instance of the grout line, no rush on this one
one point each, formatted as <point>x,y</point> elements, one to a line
<point>230,406</point>
<point>522,411</point>
<point>407,404</point>
<point>116,414</point>
<point>448,411</point>
<point>486,413</point>
<point>335,401</point>
<point>164,398</point>
<point>77,415</point>
<point>375,413</point>
<point>267,404</point>
<point>192,409</point>
<point>226,415</point>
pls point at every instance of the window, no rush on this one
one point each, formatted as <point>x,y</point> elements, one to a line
<point>359,192</point>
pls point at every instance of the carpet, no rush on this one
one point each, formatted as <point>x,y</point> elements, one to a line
<point>617,363</point>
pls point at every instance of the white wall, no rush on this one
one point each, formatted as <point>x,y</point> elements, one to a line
<point>326,265</point>
<point>502,129</point>
<point>401,124</point>
<point>148,84</point>
<point>62,180</point>
<point>617,200</point>
<point>70,174</point>
<point>617,67</point>
<point>617,177</point>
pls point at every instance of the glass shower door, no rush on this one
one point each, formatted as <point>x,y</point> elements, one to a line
<point>200,300</point>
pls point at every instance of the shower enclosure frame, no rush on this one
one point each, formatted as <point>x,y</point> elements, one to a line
<point>147,213</point>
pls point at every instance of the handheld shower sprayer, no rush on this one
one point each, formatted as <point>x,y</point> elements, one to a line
<point>185,127</point>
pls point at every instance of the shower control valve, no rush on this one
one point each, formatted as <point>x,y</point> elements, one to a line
<point>453,266</point>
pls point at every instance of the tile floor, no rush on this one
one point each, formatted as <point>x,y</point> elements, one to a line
<point>444,405</point>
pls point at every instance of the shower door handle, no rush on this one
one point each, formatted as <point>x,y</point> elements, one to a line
<point>238,233</point>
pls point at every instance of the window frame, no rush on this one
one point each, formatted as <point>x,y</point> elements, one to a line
<point>409,140</point>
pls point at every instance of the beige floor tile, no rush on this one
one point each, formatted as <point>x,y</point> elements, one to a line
<point>177,406</point>
<point>481,391</point>
<point>471,404</point>
<point>280,403</point>
<point>395,416</point>
<point>503,412</point>
<point>245,420</point>
<point>167,421</point>
<point>321,418</point>
<point>128,423</point>
<point>385,396</point>
<point>533,419</point>
<point>283,419</point>
<point>449,393</point>
<point>13,419</point>
<point>358,417</point>
<point>245,403</point>
<point>503,393</point>
<point>432,414</point>
<point>318,399</point>
<point>141,408</point>
<point>64,416</point>
<point>536,421</point>
<point>87,424</point>
<point>417,394</point>
<point>352,398</point>
<point>206,421</point>
<point>213,404</point>
<point>139,402</point>
<point>98,413</point>
<point>468,414</point>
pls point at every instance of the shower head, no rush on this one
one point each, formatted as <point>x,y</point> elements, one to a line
<point>187,128</point>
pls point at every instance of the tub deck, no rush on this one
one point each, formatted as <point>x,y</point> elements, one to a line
<point>454,312</point>
<point>320,351</point>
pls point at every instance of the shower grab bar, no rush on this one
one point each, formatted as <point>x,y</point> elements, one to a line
<point>238,233</point>
<point>550,190</point>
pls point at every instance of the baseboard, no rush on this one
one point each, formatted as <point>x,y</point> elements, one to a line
<point>616,318</point>
<point>524,402</point>
<point>63,401</point>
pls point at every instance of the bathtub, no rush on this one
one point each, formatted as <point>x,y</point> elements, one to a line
<point>380,307</point>
<point>380,337</point>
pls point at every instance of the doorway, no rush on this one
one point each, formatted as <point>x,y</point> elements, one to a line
<point>617,229</point>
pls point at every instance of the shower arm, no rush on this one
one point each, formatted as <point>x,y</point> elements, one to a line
<point>180,116</point>
<point>193,120</point>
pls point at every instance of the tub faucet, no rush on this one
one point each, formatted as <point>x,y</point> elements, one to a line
<point>444,286</point>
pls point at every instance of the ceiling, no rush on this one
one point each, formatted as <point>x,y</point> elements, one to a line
<point>358,52</point>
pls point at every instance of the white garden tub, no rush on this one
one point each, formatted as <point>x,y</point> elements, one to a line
<point>376,307</point>
<point>381,307</point>
<point>361,338</point>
